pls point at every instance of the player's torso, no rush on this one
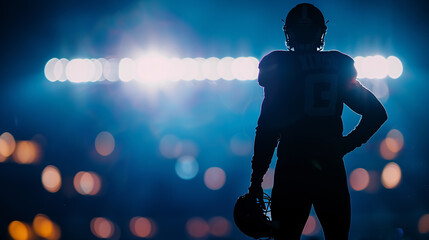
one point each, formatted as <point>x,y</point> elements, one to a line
<point>308,95</point>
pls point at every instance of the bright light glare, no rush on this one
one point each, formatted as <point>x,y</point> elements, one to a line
<point>224,68</point>
<point>152,68</point>
<point>80,70</point>
<point>394,67</point>
<point>245,68</point>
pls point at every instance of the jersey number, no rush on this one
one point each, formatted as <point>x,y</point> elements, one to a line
<point>320,94</point>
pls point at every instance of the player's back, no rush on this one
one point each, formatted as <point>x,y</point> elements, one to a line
<point>303,95</point>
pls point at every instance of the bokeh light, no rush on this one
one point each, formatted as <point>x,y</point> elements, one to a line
<point>80,70</point>
<point>142,227</point>
<point>241,145</point>
<point>423,225</point>
<point>385,151</point>
<point>394,140</point>
<point>310,227</point>
<point>87,183</point>
<point>186,167</point>
<point>374,182</point>
<point>245,68</point>
<point>49,69</point>
<point>209,68</point>
<point>19,230</point>
<point>44,227</point>
<point>51,179</point>
<point>268,180</point>
<point>395,67</point>
<point>7,145</point>
<point>127,69</point>
<point>214,178</point>
<point>378,67</point>
<point>102,227</point>
<point>153,68</point>
<point>104,143</point>
<point>359,179</point>
<point>391,175</point>
<point>219,226</point>
<point>197,227</point>
<point>224,68</point>
<point>27,152</point>
<point>170,146</point>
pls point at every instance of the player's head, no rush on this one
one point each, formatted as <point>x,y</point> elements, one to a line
<point>305,28</point>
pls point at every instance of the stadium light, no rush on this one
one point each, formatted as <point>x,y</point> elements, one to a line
<point>154,68</point>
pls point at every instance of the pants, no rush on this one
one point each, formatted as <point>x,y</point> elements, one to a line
<point>300,183</point>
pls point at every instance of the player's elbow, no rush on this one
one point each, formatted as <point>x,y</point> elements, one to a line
<point>380,114</point>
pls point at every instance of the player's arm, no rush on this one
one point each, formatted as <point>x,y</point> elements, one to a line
<point>363,102</point>
<point>267,134</point>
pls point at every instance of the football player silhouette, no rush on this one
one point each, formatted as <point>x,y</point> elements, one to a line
<point>304,92</point>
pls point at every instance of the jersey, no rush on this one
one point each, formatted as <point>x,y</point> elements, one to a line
<point>304,94</point>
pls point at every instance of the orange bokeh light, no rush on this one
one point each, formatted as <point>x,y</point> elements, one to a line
<point>27,152</point>
<point>385,151</point>
<point>219,226</point>
<point>141,227</point>
<point>424,224</point>
<point>359,179</point>
<point>7,145</point>
<point>43,226</point>
<point>197,227</point>
<point>104,143</point>
<point>51,179</point>
<point>310,227</point>
<point>102,227</point>
<point>19,230</point>
<point>268,180</point>
<point>395,140</point>
<point>87,183</point>
<point>391,175</point>
<point>214,178</point>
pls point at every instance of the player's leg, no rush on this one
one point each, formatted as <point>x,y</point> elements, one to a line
<point>332,203</point>
<point>291,198</point>
<point>289,216</point>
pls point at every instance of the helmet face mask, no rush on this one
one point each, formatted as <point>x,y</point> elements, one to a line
<point>251,218</point>
<point>305,28</point>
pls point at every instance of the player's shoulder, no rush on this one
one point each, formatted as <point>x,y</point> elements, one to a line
<point>339,56</point>
<point>273,58</point>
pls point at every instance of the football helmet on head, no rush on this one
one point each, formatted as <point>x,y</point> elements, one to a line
<point>305,28</point>
<point>252,217</point>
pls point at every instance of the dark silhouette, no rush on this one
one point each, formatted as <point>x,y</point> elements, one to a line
<point>305,89</point>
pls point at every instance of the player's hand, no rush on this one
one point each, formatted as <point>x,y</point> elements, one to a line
<point>256,191</point>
